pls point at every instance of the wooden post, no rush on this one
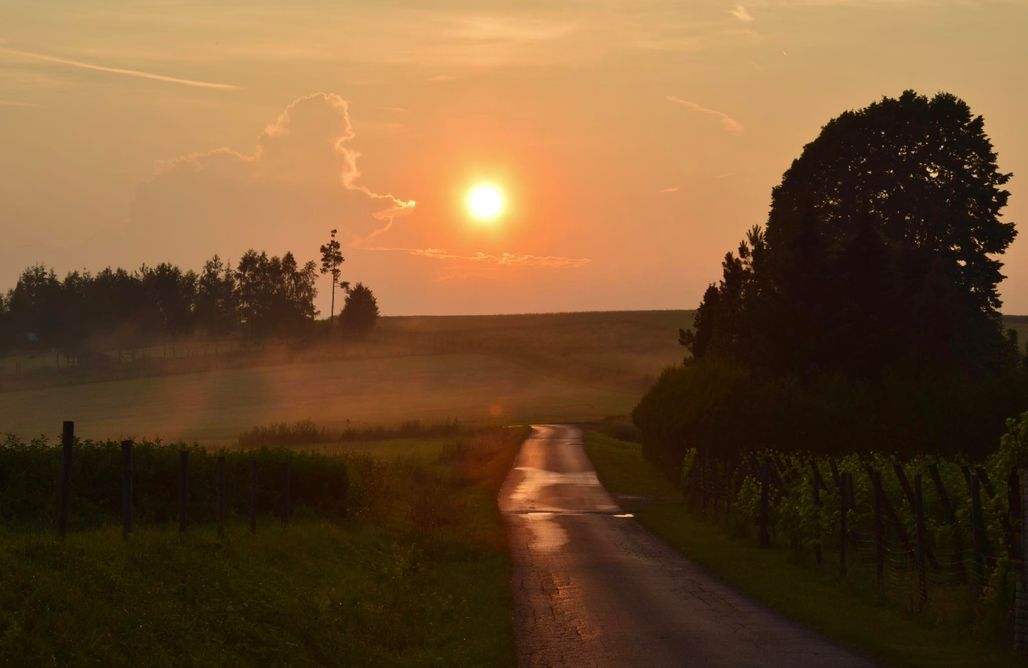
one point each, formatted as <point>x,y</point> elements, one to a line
<point>1021,594</point>
<point>67,443</point>
<point>220,483</point>
<point>815,487</point>
<point>845,504</point>
<point>908,491</point>
<point>835,473</point>
<point>977,532</point>
<point>951,517</point>
<point>126,489</point>
<point>703,481</point>
<point>922,580</point>
<point>845,484</point>
<point>183,490</point>
<point>253,495</point>
<point>1014,517</point>
<point>764,513</point>
<point>285,494</point>
<point>879,492</point>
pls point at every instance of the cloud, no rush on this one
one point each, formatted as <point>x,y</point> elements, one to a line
<point>741,13</point>
<point>671,189</point>
<point>115,70</point>
<point>15,103</point>
<point>727,122</point>
<point>301,180</point>
<point>503,259</point>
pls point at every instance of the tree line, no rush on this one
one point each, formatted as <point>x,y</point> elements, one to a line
<point>262,296</point>
<point>865,312</point>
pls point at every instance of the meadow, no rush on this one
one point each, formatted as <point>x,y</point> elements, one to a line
<point>415,573</point>
<point>476,369</point>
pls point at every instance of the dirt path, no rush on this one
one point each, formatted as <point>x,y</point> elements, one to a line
<point>593,588</point>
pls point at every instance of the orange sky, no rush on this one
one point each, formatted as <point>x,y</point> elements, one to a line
<point>636,140</point>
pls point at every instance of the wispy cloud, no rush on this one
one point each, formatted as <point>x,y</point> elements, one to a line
<point>301,178</point>
<point>727,122</point>
<point>503,259</point>
<point>740,12</point>
<point>42,57</point>
<point>15,103</point>
<point>671,189</point>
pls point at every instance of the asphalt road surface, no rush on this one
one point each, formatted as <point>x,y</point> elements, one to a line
<point>593,588</point>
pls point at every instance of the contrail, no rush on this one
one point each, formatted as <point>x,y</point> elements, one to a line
<point>117,70</point>
<point>727,122</point>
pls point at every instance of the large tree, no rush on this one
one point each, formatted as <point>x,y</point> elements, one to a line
<point>880,251</point>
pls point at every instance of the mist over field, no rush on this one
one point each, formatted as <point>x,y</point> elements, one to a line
<point>475,369</point>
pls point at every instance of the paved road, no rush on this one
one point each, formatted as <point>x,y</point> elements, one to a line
<point>593,588</point>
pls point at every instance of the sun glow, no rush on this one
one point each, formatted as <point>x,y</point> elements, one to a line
<point>485,202</point>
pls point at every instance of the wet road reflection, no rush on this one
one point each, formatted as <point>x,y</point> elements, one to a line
<point>593,588</point>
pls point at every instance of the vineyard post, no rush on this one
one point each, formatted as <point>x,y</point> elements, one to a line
<point>253,495</point>
<point>815,486</point>
<point>220,482</point>
<point>703,482</point>
<point>67,443</point>
<point>951,517</point>
<point>285,493</point>
<point>183,490</point>
<point>922,583</point>
<point>1014,516</point>
<point>1021,595</point>
<point>876,482</point>
<point>126,488</point>
<point>763,517</point>
<point>845,485</point>
<point>977,528</point>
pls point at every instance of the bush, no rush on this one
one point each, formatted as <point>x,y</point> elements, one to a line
<point>725,411</point>
<point>360,313</point>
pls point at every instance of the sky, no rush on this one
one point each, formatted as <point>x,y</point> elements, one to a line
<point>635,140</point>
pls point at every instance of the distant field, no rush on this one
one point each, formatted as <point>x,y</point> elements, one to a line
<point>477,369</point>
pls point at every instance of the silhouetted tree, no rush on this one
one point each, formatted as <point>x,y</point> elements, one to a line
<point>34,307</point>
<point>331,260</point>
<point>171,297</point>
<point>360,313</point>
<point>275,295</point>
<point>216,309</point>
<point>879,251</point>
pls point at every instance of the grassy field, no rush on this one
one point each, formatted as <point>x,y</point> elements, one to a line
<point>772,577</point>
<point>418,576</point>
<point>478,369</point>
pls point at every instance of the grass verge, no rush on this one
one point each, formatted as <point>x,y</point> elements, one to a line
<point>775,579</point>
<point>421,576</point>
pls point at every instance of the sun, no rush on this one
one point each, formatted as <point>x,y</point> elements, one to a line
<point>486,202</point>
